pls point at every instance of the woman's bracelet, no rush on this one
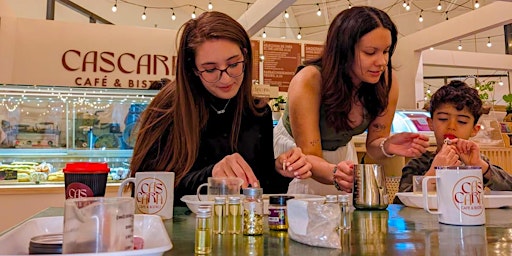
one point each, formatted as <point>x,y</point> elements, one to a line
<point>383,150</point>
<point>336,185</point>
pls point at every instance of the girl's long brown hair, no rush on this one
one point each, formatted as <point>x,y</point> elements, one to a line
<point>337,60</point>
<point>170,128</point>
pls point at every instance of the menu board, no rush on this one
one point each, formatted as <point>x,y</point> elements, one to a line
<point>255,45</point>
<point>281,61</point>
<point>312,51</point>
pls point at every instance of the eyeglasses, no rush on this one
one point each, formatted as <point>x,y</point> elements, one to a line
<point>213,75</point>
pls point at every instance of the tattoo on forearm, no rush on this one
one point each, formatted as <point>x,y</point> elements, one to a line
<point>378,127</point>
<point>314,142</point>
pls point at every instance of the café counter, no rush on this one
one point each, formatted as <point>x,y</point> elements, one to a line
<point>398,230</point>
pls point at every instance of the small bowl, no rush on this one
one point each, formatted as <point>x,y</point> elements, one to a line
<point>193,202</point>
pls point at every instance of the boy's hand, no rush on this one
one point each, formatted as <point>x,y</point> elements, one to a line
<point>468,151</point>
<point>447,156</point>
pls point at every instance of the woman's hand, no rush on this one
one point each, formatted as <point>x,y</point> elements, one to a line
<point>344,175</point>
<point>407,144</point>
<point>234,165</point>
<point>293,164</point>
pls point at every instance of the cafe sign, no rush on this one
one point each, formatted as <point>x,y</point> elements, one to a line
<point>55,53</point>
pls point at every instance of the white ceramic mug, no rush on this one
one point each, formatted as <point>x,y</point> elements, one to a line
<point>154,193</point>
<point>460,195</point>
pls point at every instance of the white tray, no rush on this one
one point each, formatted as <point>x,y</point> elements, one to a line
<point>492,199</point>
<point>149,227</point>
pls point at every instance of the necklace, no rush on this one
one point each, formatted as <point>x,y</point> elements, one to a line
<point>222,111</point>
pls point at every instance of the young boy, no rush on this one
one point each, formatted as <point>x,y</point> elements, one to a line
<point>454,110</point>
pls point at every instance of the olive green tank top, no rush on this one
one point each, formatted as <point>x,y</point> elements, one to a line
<point>331,140</point>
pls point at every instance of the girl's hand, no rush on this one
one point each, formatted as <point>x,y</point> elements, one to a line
<point>293,164</point>
<point>234,165</point>
<point>344,175</point>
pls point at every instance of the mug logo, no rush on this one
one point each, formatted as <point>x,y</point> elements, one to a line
<point>468,195</point>
<point>151,195</point>
<point>77,190</point>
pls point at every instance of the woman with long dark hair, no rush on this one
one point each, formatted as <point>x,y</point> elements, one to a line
<point>350,88</point>
<point>206,123</point>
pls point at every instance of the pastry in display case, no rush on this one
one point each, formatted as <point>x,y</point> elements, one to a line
<point>43,128</point>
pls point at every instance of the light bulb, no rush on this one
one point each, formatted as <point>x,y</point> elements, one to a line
<point>173,17</point>
<point>210,6</point>
<point>477,4</point>
<point>143,17</point>
<point>264,35</point>
<point>286,15</point>
<point>459,47</point>
<point>420,19</point>
<point>114,8</point>
<point>408,8</point>
<point>500,83</point>
<point>299,36</point>
<point>319,13</point>
<point>193,15</point>
<point>404,4</point>
<point>439,6</point>
<point>489,44</point>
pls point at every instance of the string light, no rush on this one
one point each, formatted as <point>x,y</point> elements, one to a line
<point>420,19</point>
<point>264,35</point>
<point>114,8</point>
<point>143,17</point>
<point>173,17</point>
<point>489,44</point>
<point>299,36</point>
<point>319,12</point>
<point>194,13</point>
<point>286,15</point>
<point>439,6</point>
<point>210,6</point>
<point>460,45</point>
<point>477,4</point>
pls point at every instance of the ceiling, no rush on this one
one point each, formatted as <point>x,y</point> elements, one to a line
<point>303,15</point>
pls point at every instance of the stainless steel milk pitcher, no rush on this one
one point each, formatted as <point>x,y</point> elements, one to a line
<point>370,187</point>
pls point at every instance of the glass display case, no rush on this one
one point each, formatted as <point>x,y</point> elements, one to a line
<point>43,128</point>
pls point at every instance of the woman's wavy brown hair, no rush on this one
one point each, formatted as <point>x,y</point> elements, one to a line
<point>170,128</point>
<point>337,60</point>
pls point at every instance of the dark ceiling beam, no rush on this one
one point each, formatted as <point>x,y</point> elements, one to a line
<point>77,8</point>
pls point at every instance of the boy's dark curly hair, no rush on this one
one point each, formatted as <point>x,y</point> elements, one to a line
<point>460,95</point>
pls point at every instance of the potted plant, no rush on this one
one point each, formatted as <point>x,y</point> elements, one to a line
<point>483,91</point>
<point>281,102</point>
<point>508,99</point>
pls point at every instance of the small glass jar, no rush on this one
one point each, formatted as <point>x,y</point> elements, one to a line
<point>219,215</point>
<point>277,216</point>
<point>234,212</point>
<point>203,238</point>
<point>345,220</point>
<point>253,211</point>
